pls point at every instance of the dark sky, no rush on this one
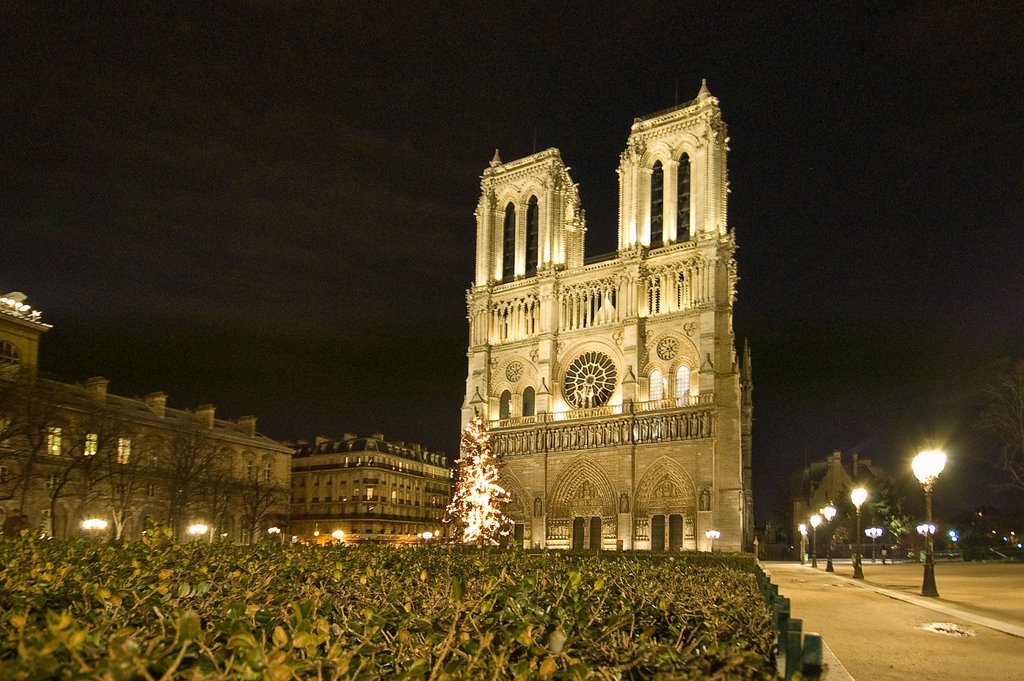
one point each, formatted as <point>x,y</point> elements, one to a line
<point>268,206</point>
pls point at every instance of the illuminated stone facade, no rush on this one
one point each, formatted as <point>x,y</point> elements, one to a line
<point>368,489</point>
<point>70,452</point>
<point>613,389</point>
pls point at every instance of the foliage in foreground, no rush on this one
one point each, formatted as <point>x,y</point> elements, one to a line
<point>74,610</point>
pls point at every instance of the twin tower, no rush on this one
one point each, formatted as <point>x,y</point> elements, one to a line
<point>613,389</point>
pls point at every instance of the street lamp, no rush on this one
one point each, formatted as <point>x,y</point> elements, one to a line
<point>712,535</point>
<point>927,465</point>
<point>198,529</point>
<point>858,497</point>
<point>874,533</point>
<point>338,535</point>
<point>829,512</point>
<point>92,524</point>
<point>815,521</point>
<point>803,543</point>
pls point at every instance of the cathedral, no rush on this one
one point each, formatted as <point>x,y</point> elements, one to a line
<point>613,390</point>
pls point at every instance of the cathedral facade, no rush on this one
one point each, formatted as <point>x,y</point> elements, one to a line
<point>613,389</point>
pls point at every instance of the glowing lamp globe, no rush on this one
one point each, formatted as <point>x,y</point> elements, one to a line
<point>829,512</point>
<point>338,535</point>
<point>198,528</point>
<point>815,521</point>
<point>858,497</point>
<point>928,464</point>
<point>803,529</point>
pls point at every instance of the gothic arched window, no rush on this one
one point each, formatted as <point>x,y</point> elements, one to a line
<point>657,391</point>
<point>505,405</point>
<point>508,244</point>
<point>683,199</point>
<point>683,381</point>
<point>529,402</point>
<point>657,200</point>
<point>532,234</point>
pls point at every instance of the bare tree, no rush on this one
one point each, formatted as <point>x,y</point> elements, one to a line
<point>192,457</point>
<point>258,498</point>
<point>1002,419</point>
<point>28,417</point>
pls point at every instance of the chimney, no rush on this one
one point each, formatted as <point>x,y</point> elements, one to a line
<point>157,403</point>
<point>248,424</point>
<point>378,436</point>
<point>205,414</point>
<point>322,440</point>
<point>97,387</point>
<point>349,436</point>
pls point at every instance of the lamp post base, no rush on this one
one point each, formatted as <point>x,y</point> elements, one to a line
<point>928,585</point>
<point>858,572</point>
<point>828,567</point>
<point>814,561</point>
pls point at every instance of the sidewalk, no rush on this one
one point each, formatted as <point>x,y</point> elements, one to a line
<point>876,627</point>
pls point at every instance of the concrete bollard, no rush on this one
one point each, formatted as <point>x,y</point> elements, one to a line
<point>813,657</point>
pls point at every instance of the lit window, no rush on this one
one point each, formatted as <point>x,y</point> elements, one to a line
<point>657,385</point>
<point>53,440</point>
<point>394,496</point>
<point>369,493</point>
<point>91,444</point>
<point>683,382</point>
<point>124,450</point>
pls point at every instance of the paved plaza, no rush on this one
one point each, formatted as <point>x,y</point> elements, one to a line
<point>881,628</point>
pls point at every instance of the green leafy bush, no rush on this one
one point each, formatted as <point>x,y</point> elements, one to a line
<point>199,611</point>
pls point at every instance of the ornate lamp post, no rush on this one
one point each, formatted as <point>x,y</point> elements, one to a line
<point>858,497</point>
<point>874,533</point>
<point>712,535</point>
<point>803,543</point>
<point>927,466</point>
<point>829,512</point>
<point>815,521</point>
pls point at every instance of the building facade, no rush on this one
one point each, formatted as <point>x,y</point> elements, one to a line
<point>613,389</point>
<point>367,489</point>
<point>70,453</point>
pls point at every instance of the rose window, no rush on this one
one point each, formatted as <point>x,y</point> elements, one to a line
<point>590,380</point>
<point>667,348</point>
<point>514,371</point>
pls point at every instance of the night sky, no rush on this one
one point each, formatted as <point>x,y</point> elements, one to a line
<point>268,206</point>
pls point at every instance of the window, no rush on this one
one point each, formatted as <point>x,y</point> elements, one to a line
<point>683,199</point>
<point>532,231</point>
<point>683,382</point>
<point>91,444</point>
<point>394,496</point>
<point>503,407</point>
<point>124,450</point>
<point>508,248</point>
<point>52,480</point>
<point>657,391</point>
<point>5,474</point>
<point>370,491</point>
<point>657,201</point>
<point>150,490</point>
<point>53,440</point>
<point>529,401</point>
<point>9,354</point>
<point>250,470</point>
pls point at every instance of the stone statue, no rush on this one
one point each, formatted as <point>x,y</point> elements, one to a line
<point>538,507</point>
<point>623,503</point>
<point>705,499</point>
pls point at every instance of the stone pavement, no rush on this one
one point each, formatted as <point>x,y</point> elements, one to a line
<point>881,628</point>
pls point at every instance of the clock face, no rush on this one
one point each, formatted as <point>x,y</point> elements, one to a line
<point>590,380</point>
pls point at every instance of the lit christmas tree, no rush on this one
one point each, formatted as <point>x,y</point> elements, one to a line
<point>475,511</point>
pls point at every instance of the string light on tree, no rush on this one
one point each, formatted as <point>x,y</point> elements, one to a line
<point>476,508</point>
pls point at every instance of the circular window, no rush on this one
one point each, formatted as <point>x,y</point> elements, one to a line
<point>514,371</point>
<point>667,348</point>
<point>590,380</point>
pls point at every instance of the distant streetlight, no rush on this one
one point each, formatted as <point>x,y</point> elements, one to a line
<point>829,512</point>
<point>94,524</point>
<point>712,535</point>
<point>858,497</point>
<point>927,465</point>
<point>803,542</point>
<point>815,521</point>
<point>874,533</point>
<point>338,535</point>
